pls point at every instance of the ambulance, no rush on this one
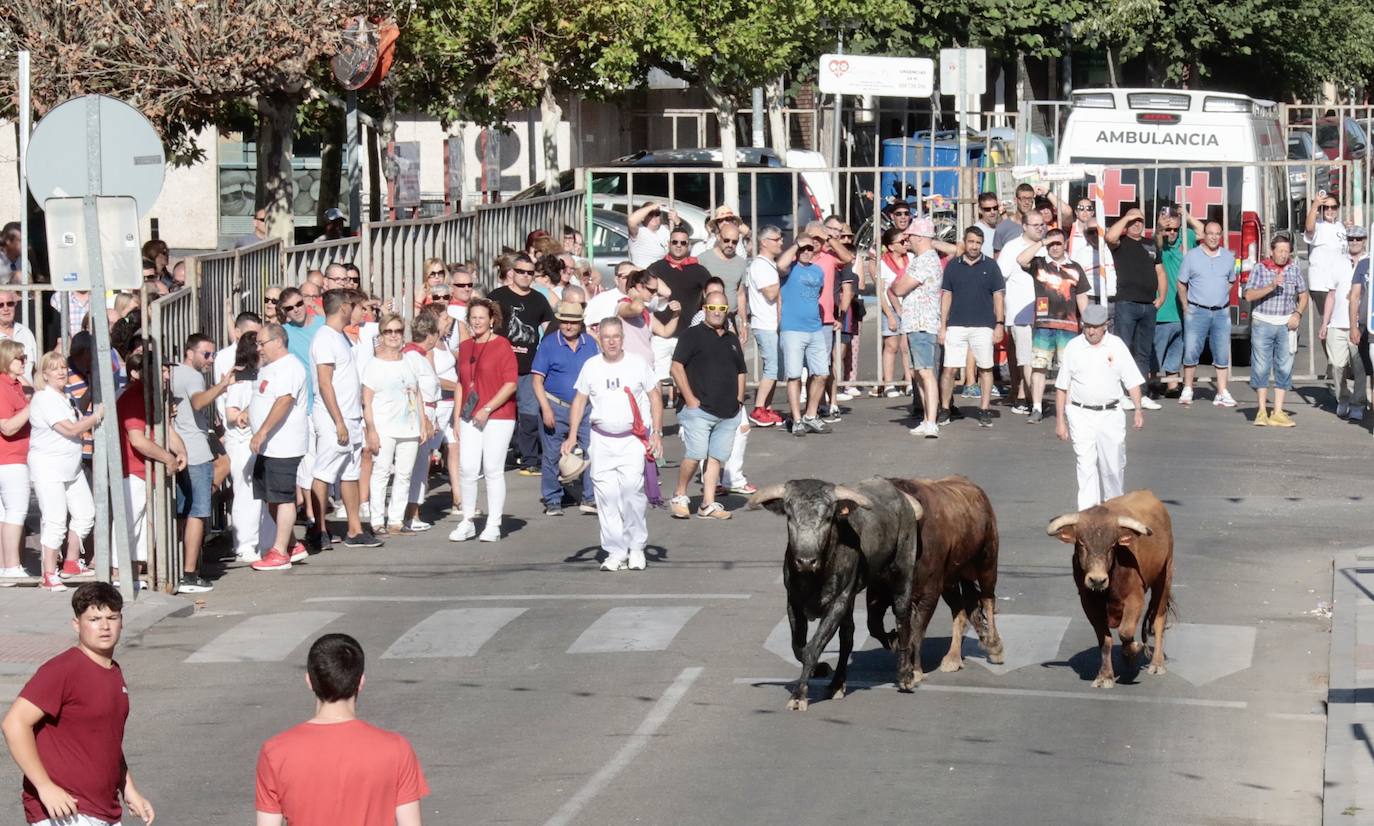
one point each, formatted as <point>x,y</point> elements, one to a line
<point>1121,128</point>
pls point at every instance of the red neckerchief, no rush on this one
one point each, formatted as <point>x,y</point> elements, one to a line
<point>412,347</point>
<point>453,302</point>
<point>679,265</point>
<point>892,263</point>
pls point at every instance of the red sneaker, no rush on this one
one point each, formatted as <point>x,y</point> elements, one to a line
<point>76,569</point>
<point>759,417</point>
<point>298,552</point>
<point>52,583</point>
<point>775,416</point>
<point>273,560</point>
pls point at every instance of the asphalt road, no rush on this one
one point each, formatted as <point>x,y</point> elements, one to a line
<point>538,690</point>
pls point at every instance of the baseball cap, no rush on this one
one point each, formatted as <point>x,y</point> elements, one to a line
<point>922,227</point>
<point>333,214</point>
<point>1356,231</point>
<point>1095,315</point>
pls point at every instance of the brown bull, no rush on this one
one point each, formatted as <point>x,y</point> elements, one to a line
<point>957,560</point>
<point>1122,548</point>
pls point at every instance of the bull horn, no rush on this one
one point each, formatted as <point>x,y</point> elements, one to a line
<point>1130,523</point>
<point>915,504</point>
<point>859,500</point>
<point>765,495</point>
<point>1068,520</point>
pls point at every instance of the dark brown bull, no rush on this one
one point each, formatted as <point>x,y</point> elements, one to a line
<point>1122,548</point>
<point>956,559</point>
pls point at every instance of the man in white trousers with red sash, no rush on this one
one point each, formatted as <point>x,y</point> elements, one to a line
<point>623,392</point>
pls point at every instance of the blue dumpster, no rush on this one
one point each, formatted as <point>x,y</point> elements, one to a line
<point>916,152</point>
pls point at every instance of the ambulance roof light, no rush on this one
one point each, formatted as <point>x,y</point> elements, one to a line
<point>1212,103</point>
<point>1094,100</point>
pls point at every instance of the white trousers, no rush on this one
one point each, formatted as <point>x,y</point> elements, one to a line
<point>136,513</point>
<point>254,527</point>
<point>1099,443</point>
<point>482,455</point>
<point>14,493</point>
<point>395,458</point>
<point>419,477</point>
<point>58,500</point>
<point>621,505</point>
<point>732,475</point>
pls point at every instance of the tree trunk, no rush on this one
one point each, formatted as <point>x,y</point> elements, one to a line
<point>276,183</point>
<point>374,176</point>
<point>773,99</point>
<point>390,168</point>
<point>331,165</point>
<point>550,115</point>
<point>1112,79</point>
<point>726,108</point>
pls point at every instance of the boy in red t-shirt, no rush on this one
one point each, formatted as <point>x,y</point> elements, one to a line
<point>66,729</point>
<point>334,769</point>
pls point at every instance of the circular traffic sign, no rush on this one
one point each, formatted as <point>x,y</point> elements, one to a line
<point>121,142</point>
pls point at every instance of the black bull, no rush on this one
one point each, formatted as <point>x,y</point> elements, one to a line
<point>909,542</point>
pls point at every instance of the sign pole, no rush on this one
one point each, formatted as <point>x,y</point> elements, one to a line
<point>24,106</point>
<point>835,131</point>
<point>963,143</point>
<point>102,371</point>
<point>351,157</point>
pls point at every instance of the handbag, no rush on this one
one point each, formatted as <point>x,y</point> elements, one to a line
<point>470,392</point>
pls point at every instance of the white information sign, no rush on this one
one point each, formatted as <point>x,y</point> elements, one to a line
<point>852,74</point>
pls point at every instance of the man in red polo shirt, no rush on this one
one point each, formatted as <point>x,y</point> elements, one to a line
<point>66,729</point>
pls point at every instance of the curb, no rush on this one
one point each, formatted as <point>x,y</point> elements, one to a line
<point>1349,764</point>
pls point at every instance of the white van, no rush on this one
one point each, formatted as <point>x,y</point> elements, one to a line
<point>1123,127</point>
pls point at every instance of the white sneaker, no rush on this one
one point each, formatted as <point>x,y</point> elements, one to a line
<point>1148,403</point>
<point>364,511</point>
<point>1342,410</point>
<point>417,524</point>
<point>1126,403</point>
<point>918,430</point>
<point>491,533</point>
<point>932,430</point>
<point>1185,396</point>
<point>341,513</point>
<point>614,563</point>
<point>465,530</point>
<point>247,556</point>
<point>637,561</point>
<point>1357,414</point>
<point>1224,399</point>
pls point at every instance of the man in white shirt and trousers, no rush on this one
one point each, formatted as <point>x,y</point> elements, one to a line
<point>1094,367</point>
<point>621,388</point>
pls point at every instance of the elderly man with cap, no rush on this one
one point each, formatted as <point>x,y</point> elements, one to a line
<point>621,388</point>
<point>1092,370</point>
<point>557,363</point>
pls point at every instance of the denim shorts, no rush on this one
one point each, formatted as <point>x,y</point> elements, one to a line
<point>766,341</point>
<point>706,436</point>
<point>195,485</point>
<point>1269,353</point>
<point>809,350</point>
<point>1201,326</point>
<point>922,349</point>
<point>1047,346</point>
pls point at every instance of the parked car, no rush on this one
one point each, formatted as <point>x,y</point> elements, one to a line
<point>1338,138</point>
<point>610,242</point>
<point>1301,147</point>
<point>778,201</point>
<point>693,216</point>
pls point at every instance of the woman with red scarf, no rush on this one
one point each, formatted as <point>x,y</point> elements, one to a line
<point>891,266</point>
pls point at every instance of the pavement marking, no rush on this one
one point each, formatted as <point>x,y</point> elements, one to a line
<point>1202,654</point>
<point>1015,692</point>
<point>263,638</point>
<point>658,715</point>
<point>1028,639</point>
<point>780,638</point>
<point>453,632</point>
<point>633,629</point>
<point>525,597</point>
<point>1304,717</point>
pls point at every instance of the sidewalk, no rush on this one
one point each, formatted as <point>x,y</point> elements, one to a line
<point>36,625</point>
<point>1349,797</point>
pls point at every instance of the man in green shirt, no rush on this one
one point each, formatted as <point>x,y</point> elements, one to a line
<point>1172,244</point>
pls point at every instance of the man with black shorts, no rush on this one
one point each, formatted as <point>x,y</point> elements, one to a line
<point>280,440</point>
<point>66,729</point>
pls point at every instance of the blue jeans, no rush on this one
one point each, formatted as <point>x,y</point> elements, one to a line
<point>767,343</point>
<point>706,436</point>
<point>1168,354</point>
<point>527,426</point>
<point>809,349</point>
<point>1135,325</point>
<point>1202,326</point>
<point>1269,353</point>
<point>550,489</point>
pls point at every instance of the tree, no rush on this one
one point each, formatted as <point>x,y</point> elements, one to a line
<point>183,65</point>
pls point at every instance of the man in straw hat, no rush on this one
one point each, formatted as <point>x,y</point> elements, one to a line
<point>556,364</point>
<point>621,388</point>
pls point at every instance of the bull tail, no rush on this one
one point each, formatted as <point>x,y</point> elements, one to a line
<point>1170,609</point>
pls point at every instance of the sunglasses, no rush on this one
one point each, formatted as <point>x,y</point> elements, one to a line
<point>716,308</point>
<point>901,213</point>
<point>4,304</point>
<point>437,273</point>
<point>526,272</point>
<point>269,301</point>
<point>206,353</point>
<point>393,331</point>
<point>1170,230</point>
<point>1055,244</point>
<point>805,248</point>
<point>677,243</point>
<point>440,295</point>
<point>290,307</point>
<point>989,208</point>
<point>1085,208</point>
<point>463,285</point>
<point>729,241</point>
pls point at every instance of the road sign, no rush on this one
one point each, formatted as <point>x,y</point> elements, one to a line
<point>971,75</point>
<point>852,74</point>
<point>129,154</point>
<point>68,255</point>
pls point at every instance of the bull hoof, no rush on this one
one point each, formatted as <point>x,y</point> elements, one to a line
<point>837,692</point>
<point>908,682</point>
<point>1133,651</point>
<point>1104,682</point>
<point>797,704</point>
<point>952,664</point>
<point>822,669</point>
<point>996,655</point>
<point>1156,668</point>
<point>887,640</point>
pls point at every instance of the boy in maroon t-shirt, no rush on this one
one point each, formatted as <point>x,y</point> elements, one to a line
<point>66,729</point>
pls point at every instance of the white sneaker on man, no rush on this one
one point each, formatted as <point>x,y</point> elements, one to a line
<point>614,563</point>
<point>637,560</point>
<point>1126,403</point>
<point>1224,399</point>
<point>465,530</point>
<point>1185,396</point>
<point>1147,403</point>
<point>492,531</point>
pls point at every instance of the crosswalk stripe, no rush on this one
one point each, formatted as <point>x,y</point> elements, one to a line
<point>452,632</point>
<point>1202,654</point>
<point>264,638</point>
<point>633,629</point>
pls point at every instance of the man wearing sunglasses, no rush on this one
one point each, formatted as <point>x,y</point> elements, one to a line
<point>1061,295</point>
<point>726,261</point>
<point>802,338</point>
<point>526,314</point>
<point>1011,227</point>
<point>12,330</point>
<point>685,278</point>
<point>1171,242</point>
